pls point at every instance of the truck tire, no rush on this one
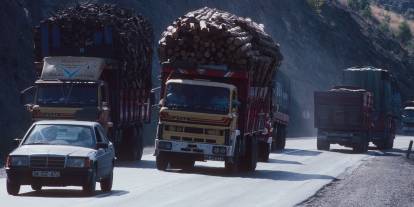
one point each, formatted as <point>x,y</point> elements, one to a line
<point>264,152</point>
<point>322,145</point>
<point>249,162</point>
<point>388,143</point>
<point>280,138</point>
<point>132,144</point>
<point>13,188</point>
<point>362,147</point>
<point>161,161</point>
<point>233,166</point>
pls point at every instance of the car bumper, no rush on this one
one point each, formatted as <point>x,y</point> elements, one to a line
<point>68,176</point>
<point>198,151</point>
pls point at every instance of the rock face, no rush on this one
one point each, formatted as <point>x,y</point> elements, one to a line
<point>15,69</point>
<point>316,47</point>
<point>404,7</point>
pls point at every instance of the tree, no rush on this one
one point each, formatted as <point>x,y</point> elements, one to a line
<point>404,33</point>
<point>316,5</point>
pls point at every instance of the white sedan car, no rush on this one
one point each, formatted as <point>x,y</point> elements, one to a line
<point>62,153</point>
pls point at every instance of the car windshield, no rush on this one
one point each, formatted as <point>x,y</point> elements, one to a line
<point>61,135</point>
<point>67,95</point>
<point>197,98</point>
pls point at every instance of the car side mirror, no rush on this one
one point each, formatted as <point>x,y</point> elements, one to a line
<point>102,145</point>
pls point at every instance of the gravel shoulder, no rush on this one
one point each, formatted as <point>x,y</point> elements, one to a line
<point>385,180</point>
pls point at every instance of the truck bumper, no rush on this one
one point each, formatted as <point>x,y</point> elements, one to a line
<point>198,151</point>
<point>342,138</point>
<point>68,177</point>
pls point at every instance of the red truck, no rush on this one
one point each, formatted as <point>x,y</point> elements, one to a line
<point>343,116</point>
<point>212,113</point>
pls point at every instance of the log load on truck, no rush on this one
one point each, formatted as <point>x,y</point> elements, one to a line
<point>216,91</point>
<point>343,116</point>
<point>386,101</point>
<point>94,64</point>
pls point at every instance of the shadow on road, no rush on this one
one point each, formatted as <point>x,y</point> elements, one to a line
<point>271,160</point>
<point>258,174</point>
<point>145,164</point>
<point>300,152</point>
<point>372,151</point>
<point>71,193</point>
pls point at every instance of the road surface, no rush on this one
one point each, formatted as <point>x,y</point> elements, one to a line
<point>288,179</point>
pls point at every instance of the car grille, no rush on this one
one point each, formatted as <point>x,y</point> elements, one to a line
<point>43,161</point>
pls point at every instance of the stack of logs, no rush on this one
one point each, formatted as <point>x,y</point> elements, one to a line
<point>83,31</point>
<point>213,37</point>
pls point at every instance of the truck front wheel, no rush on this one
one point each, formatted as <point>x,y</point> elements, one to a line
<point>161,161</point>
<point>232,166</point>
<point>250,158</point>
<point>264,151</point>
<point>132,144</point>
<point>322,145</point>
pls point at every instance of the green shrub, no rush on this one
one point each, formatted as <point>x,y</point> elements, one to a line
<point>404,34</point>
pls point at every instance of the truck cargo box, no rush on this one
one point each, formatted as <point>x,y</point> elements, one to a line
<point>342,109</point>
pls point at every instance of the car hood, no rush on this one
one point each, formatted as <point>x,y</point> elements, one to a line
<point>58,150</point>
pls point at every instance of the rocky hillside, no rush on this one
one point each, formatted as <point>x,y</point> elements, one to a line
<point>316,47</point>
<point>403,7</point>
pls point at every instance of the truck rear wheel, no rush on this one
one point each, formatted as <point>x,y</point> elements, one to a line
<point>264,151</point>
<point>279,141</point>
<point>362,147</point>
<point>132,144</point>
<point>322,145</point>
<point>161,161</point>
<point>249,162</point>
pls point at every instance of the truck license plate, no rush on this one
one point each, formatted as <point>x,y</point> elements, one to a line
<point>46,174</point>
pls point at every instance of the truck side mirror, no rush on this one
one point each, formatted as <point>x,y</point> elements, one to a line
<point>161,103</point>
<point>235,104</point>
<point>27,95</point>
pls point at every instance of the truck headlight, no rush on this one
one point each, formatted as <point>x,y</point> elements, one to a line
<point>18,161</point>
<point>77,162</point>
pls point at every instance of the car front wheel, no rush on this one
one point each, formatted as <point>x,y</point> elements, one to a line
<point>106,183</point>
<point>13,188</point>
<point>90,186</point>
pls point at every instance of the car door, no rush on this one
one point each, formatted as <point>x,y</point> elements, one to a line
<point>109,153</point>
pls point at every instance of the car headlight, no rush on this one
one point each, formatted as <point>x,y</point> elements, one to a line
<point>18,161</point>
<point>77,162</point>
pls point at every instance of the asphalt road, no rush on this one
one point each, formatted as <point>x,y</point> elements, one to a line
<point>386,180</point>
<point>289,178</point>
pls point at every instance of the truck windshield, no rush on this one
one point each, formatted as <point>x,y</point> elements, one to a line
<point>197,98</point>
<point>76,95</point>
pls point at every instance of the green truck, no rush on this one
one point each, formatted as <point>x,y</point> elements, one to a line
<point>386,101</point>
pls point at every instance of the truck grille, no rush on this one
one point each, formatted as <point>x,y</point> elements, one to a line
<point>43,161</point>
